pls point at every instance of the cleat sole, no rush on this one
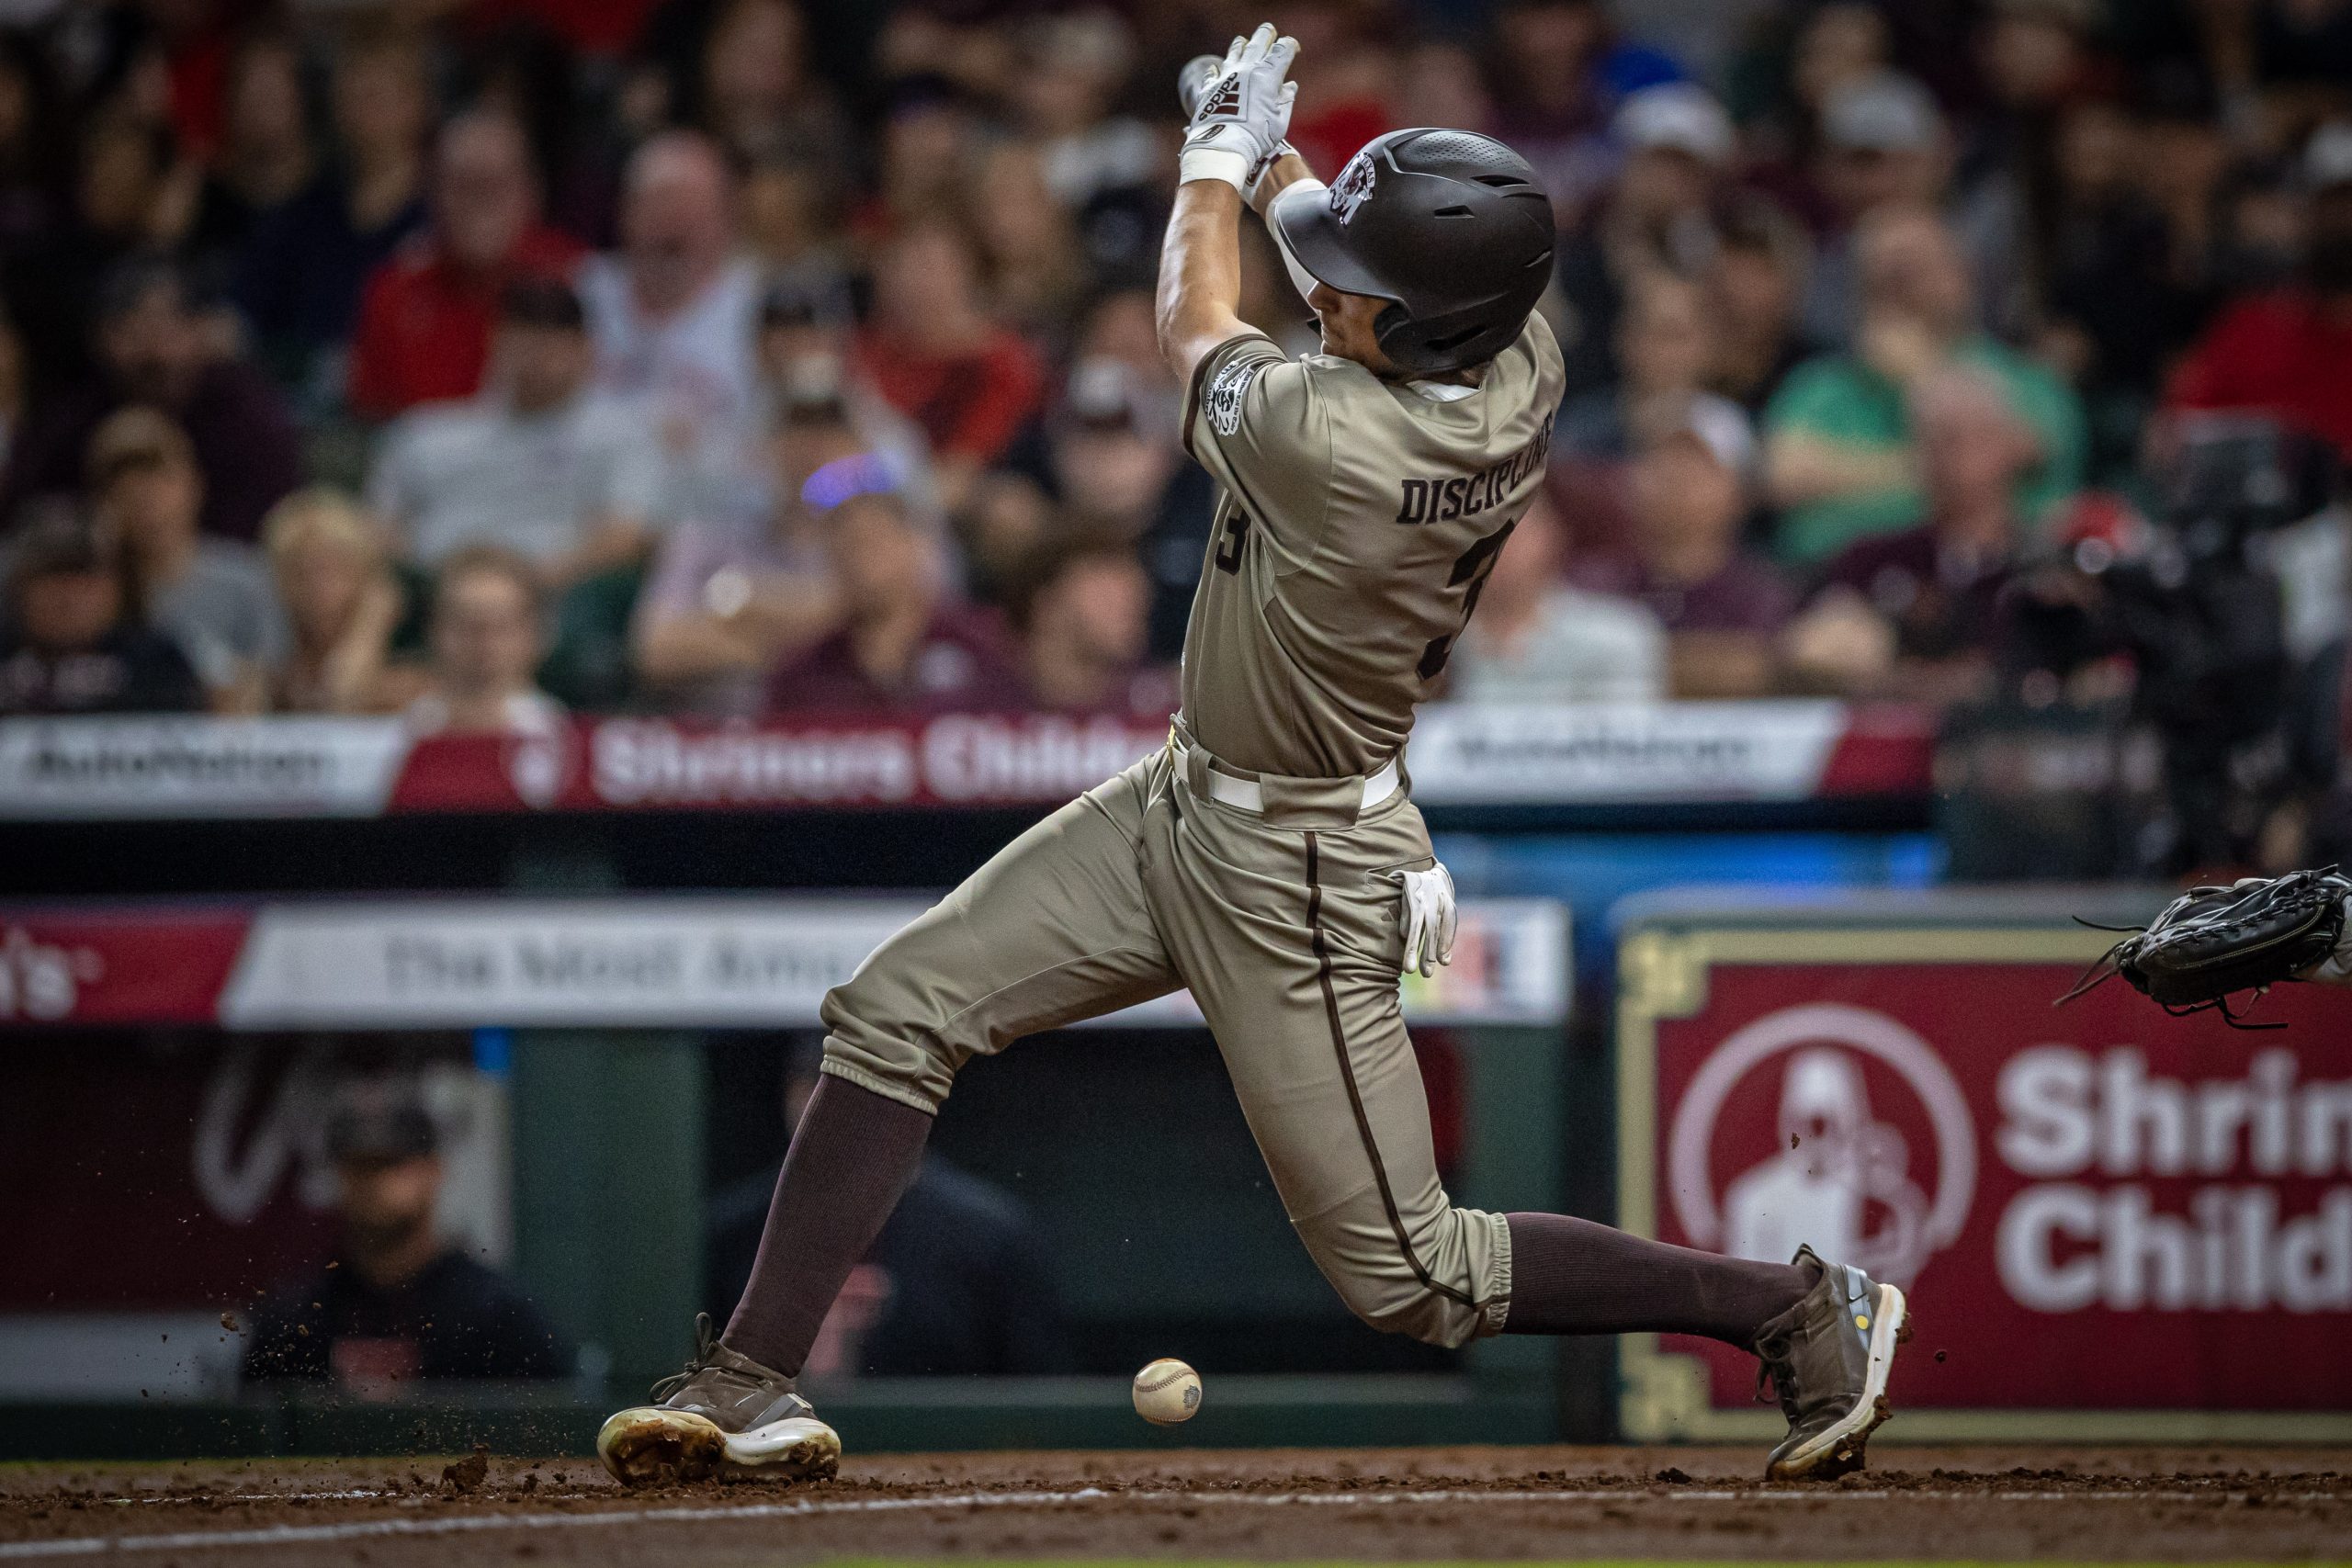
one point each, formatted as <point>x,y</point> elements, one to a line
<point>650,1446</point>
<point>798,1448</point>
<point>1841,1450</point>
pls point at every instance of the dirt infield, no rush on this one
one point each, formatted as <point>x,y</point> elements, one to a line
<point>2059,1505</point>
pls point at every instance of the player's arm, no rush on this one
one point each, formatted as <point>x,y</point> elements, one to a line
<point>1286,170</point>
<point>1237,132</point>
<point>1200,275</point>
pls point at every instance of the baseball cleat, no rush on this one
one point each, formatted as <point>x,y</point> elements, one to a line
<point>724,1414</point>
<point>1828,1356</point>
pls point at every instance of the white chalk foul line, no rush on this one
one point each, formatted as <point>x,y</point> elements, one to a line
<point>467,1524</point>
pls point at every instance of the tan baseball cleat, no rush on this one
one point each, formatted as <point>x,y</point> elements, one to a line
<point>725,1412</point>
<point>1828,1357</point>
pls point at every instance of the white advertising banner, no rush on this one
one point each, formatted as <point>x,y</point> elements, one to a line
<point>1465,754</point>
<point>198,767</point>
<point>658,962</point>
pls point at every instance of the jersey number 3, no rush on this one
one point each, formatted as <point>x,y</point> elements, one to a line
<point>1230,542</point>
<point>1470,572</point>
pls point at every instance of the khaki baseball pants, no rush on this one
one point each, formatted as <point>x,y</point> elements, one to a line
<point>1285,927</point>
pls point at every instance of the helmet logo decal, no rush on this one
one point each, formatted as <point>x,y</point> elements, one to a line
<point>1352,187</point>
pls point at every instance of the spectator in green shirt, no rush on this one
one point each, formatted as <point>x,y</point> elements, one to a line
<point>1839,450</point>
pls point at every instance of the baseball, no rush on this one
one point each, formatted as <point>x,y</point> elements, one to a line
<point>1167,1392</point>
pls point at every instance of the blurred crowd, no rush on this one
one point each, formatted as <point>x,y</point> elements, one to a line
<point>480,359</point>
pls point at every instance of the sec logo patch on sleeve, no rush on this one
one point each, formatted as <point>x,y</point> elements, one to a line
<point>1226,392</point>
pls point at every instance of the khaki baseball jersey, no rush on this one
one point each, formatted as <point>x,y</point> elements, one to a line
<point>1358,520</point>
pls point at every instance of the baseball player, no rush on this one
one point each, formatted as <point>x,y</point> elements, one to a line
<point>1270,857</point>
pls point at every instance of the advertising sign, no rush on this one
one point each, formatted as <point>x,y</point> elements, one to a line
<point>115,768</point>
<point>2110,1223</point>
<point>639,962</point>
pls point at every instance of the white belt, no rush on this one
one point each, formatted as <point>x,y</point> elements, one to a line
<point>1246,795</point>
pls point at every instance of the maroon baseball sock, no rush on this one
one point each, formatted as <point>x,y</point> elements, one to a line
<point>1571,1276</point>
<point>852,1154</point>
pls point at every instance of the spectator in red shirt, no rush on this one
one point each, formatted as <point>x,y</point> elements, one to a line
<point>934,352</point>
<point>427,316</point>
<point>2289,352</point>
<point>906,642</point>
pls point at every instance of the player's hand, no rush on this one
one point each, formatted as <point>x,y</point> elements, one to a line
<point>1429,916</point>
<point>1240,112</point>
<point>1193,81</point>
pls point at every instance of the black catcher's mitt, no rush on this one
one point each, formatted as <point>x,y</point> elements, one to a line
<point>2212,942</point>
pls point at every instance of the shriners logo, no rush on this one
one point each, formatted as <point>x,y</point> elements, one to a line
<point>1838,1177</point>
<point>1353,188</point>
<point>539,764</point>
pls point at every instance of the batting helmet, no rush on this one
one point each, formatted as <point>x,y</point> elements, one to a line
<point>1448,224</point>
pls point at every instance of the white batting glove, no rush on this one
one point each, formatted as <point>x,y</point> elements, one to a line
<point>1243,111</point>
<point>1191,84</point>
<point>1194,79</point>
<point>1429,916</point>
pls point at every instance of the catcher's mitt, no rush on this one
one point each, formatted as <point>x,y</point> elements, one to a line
<point>2212,942</point>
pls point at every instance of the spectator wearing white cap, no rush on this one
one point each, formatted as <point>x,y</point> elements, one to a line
<point>1692,485</point>
<point>1679,147</point>
<point>1884,142</point>
<point>1832,43</point>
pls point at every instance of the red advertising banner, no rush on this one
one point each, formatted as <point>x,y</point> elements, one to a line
<point>2110,1223</point>
<point>59,964</point>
